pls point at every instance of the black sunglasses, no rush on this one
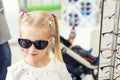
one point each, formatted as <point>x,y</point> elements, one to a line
<point>39,44</point>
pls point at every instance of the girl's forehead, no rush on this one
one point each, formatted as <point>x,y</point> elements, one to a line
<point>33,28</point>
<point>30,32</point>
<point>35,36</point>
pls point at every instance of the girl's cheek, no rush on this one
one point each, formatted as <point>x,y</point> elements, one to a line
<point>20,35</point>
<point>23,50</point>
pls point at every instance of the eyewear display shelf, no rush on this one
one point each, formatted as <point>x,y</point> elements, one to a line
<point>109,52</point>
<point>82,15</point>
<point>79,13</point>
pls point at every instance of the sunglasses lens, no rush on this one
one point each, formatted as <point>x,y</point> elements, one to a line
<point>24,43</point>
<point>40,44</point>
<point>88,9</point>
<point>82,4</point>
<point>88,3</point>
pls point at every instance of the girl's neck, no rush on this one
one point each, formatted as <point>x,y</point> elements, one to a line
<point>38,63</point>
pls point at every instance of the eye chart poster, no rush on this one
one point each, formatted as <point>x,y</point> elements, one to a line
<point>109,64</point>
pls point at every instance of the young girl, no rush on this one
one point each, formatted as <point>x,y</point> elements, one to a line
<point>39,33</point>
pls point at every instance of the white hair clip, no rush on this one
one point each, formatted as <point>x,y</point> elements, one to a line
<point>25,19</point>
<point>50,23</point>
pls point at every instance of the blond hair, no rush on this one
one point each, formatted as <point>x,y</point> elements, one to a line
<point>45,20</point>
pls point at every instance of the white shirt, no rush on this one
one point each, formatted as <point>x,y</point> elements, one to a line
<point>55,70</point>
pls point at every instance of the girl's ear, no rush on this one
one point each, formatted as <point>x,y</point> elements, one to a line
<point>52,39</point>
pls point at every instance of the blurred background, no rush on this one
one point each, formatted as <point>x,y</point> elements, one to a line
<point>85,15</point>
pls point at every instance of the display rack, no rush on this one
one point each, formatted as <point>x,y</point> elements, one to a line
<point>79,13</point>
<point>82,15</point>
<point>109,65</point>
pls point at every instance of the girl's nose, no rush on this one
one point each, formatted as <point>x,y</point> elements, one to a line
<point>32,48</point>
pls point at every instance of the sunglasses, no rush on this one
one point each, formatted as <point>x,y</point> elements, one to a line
<point>86,9</point>
<point>39,44</point>
<point>87,4</point>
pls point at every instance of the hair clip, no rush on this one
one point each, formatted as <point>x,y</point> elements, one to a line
<point>53,15</point>
<point>23,12</point>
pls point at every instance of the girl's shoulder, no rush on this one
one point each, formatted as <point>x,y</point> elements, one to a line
<point>61,68</point>
<point>59,64</point>
<point>17,65</point>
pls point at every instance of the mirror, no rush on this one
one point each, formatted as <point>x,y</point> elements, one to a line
<point>84,15</point>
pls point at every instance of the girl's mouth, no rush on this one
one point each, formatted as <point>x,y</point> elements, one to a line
<point>33,54</point>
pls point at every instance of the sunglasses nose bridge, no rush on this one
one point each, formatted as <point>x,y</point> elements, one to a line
<point>32,47</point>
